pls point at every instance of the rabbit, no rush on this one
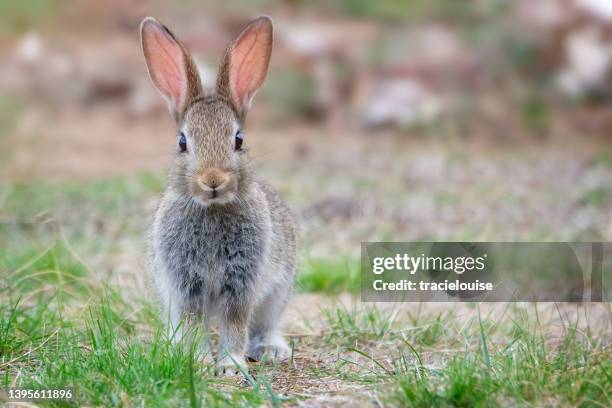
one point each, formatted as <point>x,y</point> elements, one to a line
<point>223,242</point>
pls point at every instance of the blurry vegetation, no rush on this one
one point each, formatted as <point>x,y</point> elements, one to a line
<point>18,16</point>
<point>94,198</point>
<point>293,93</point>
<point>536,113</point>
<point>522,54</point>
<point>597,196</point>
<point>401,10</point>
<point>34,238</point>
<point>10,107</point>
<point>604,159</point>
<point>32,268</point>
<point>333,276</point>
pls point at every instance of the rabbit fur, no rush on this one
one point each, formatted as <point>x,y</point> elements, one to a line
<point>223,242</point>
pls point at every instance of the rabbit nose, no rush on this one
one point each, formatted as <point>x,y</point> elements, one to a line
<point>212,179</point>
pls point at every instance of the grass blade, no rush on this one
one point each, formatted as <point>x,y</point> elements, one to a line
<point>483,340</point>
<point>193,399</point>
<point>371,359</point>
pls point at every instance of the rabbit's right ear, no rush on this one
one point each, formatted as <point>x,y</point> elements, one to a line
<point>245,64</point>
<point>170,66</point>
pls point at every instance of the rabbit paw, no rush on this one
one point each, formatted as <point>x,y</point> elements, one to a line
<point>276,350</point>
<point>228,366</point>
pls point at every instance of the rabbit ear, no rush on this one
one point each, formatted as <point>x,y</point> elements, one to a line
<point>170,66</point>
<point>245,64</point>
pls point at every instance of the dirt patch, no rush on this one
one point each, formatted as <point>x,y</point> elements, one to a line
<point>322,373</point>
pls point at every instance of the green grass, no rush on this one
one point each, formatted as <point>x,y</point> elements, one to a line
<point>597,196</point>
<point>77,332</point>
<point>402,11</point>
<point>64,324</point>
<point>109,351</point>
<point>72,201</point>
<point>30,217</point>
<point>330,276</point>
<point>525,369</point>
<point>526,372</point>
<point>19,16</point>
<point>351,327</point>
<point>105,364</point>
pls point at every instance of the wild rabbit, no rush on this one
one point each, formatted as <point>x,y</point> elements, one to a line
<point>223,243</point>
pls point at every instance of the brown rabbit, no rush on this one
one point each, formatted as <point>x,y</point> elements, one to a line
<point>223,243</point>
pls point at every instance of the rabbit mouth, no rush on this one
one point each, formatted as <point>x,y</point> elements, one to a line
<point>213,196</point>
<point>216,198</point>
<point>213,187</point>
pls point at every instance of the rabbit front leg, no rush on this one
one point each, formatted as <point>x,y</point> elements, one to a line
<point>185,312</point>
<point>238,287</point>
<point>232,338</point>
<point>264,334</point>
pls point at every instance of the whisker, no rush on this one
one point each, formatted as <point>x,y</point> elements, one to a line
<point>259,156</point>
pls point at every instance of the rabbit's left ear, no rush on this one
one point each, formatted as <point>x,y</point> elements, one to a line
<point>245,64</point>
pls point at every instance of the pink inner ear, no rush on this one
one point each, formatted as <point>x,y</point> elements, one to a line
<point>249,63</point>
<point>166,66</point>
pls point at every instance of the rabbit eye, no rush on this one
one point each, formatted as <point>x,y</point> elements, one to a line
<point>182,142</point>
<point>238,139</point>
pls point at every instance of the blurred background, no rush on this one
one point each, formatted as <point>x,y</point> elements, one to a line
<point>380,120</point>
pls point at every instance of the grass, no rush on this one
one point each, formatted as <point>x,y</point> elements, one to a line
<point>109,208</point>
<point>60,327</point>
<point>332,276</point>
<point>402,11</point>
<point>99,355</point>
<point>525,369</point>
<point>19,16</point>
<point>353,327</point>
<point>597,196</point>
<point>525,372</point>
<point>65,323</point>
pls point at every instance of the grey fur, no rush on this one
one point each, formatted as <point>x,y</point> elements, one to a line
<point>232,258</point>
